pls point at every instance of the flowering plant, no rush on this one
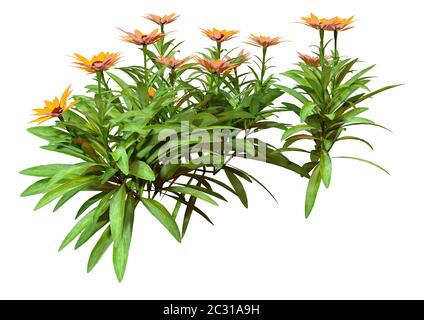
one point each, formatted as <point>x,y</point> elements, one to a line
<point>330,93</point>
<point>163,134</point>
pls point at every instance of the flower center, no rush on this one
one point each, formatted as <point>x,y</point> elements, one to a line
<point>56,111</point>
<point>218,35</point>
<point>98,65</point>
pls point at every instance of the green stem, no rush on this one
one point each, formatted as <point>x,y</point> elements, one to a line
<point>99,82</point>
<point>321,47</point>
<point>145,64</point>
<point>237,80</point>
<point>172,77</point>
<point>162,41</point>
<point>263,67</point>
<point>103,79</point>
<point>217,81</point>
<point>336,52</point>
<point>218,50</point>
<point>99,76</point>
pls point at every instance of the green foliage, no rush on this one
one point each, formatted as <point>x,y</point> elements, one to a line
<point>330,95</point>
<point>116,129</point>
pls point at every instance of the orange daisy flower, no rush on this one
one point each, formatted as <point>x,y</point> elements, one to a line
<point>216,66</point>
<point>310,60</point>
<point>166,19</point>
<point>263,41</point>
<point>333,24</point>
<point>219,35</point>
<point>172,62</point>
<point>98,63</point>
<point>54,108</point>
<point>139,38</point>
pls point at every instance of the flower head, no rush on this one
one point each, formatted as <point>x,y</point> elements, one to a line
<point>219,35</point>
<point>54,108</point>
<point>216,66</point>
<point>98,63</point>
<point>139,38</point>
<point>172,62</point>
<point>263,41</point>
<point>166,19</point>
<point>241,58</point>
<point>333,24</point>
<point>310,60</point>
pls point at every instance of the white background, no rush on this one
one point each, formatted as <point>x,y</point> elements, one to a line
<point>365,238</point>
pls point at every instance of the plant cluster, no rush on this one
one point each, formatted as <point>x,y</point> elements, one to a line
<point>163,134</point>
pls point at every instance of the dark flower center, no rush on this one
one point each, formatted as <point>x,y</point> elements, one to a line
<point>98,65</point>
<point>57,111</point>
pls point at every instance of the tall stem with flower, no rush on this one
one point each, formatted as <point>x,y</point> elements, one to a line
<point>329,104</point>
<point>263,42</point>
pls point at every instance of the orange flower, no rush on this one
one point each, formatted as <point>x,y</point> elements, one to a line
<point>219,35</point>
<point>216,66</point>
<point>54,108</point>
<point>101,62</point>
<point>139,38</point>
<point>310,60</point>
<point>166,19</point>
<point>172,62</point>
<point>263,41</point>
<point>241,58</point>
<point>152,92</point>
<point>333,24</point>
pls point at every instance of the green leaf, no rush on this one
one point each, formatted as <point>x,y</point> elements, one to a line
<point>120,251</point>
<point>269,97</point>
<point>296,129</point>
<point>90,202</point>
<point>307,110</point>
<point>49,133</point>
<point>87,221</point>
<point>194,192</point>
<point>344,71</point>
<point>131,98</point>
<point>294,94</point>
<point>109,173</point>
<point>36,188</point>
<point>238,187</point>
<point>312,191</point>
<point>176,210</point>
<point>371,94</point>
<point>99,249</point>
<point>89,232</point>
<point>278,159</point>
<point>76,184</point>
<point>65,198</point>
<point>164,217</point>
<point>45,171</point>
<point>68,150</point>
<point>366,161</point>
<point>78,228</point>
<point>357,76</point>
<point>121,157</point>
<point>142,170</point>
<point>326,168</point>
<point>355,138</point>
<point>72,171</point>
<point>188,213</point>
<point>292,107</point>
<point>117,213</point>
